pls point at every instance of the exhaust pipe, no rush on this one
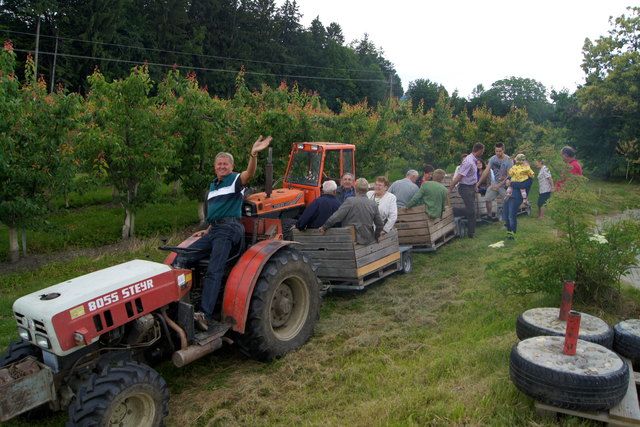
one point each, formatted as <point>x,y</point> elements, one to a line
<point>268,174</point>
<point>194,352</point>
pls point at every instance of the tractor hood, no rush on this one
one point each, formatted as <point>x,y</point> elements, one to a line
<point>80,304</point>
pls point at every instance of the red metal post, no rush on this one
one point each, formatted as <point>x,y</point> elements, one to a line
<point>567,297</point>
<point>573,330</point>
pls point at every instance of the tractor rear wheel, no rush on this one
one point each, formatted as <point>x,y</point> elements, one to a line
<point>127,394</point>
<point>283,309</point>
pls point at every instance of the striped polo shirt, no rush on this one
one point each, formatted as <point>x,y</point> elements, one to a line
<point>225,198</point>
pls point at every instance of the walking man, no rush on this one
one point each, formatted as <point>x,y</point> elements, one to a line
<point>466,180</point>
<point>499,166</point>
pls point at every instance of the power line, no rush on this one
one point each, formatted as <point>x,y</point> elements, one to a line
<point>193,54</point>
<point>220,70</point>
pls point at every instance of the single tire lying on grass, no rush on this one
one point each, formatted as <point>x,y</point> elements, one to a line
<point>627,338</point>
<point>544,321</point>
<point>594,379</point>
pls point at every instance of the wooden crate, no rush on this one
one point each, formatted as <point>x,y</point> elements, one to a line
<point>415,228</point>
<point>339,257</point>
<point>481,205</point>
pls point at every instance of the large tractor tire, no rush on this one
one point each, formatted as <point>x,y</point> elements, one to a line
<point>626,341</point>
<point>283,309</point>
<point>18,350</point>
<point>594,379</point>
<point>544,321</point>
<point>128,394</point>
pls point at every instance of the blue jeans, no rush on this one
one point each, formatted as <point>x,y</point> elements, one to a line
<point>216,245</point>
<point>511,209</point>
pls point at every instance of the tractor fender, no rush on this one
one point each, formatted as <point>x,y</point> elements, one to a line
<point>242,280</point>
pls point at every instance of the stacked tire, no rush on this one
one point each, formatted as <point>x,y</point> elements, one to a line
<point>626,340</point>
<point>594,379</point>
<point>544,322</point>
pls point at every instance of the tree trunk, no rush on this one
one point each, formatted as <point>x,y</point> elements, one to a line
<point>128,228</point>
<point>201,214</point>
<point>14,248</point>
<point>24,241</point>
<point>176,188</point>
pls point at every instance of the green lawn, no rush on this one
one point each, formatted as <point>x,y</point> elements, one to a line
<point>429,348</point>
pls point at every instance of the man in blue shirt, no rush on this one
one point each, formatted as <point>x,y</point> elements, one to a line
<point>224,207</point>
<point>321,208</point>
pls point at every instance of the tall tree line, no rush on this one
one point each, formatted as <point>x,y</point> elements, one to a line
<point>214,38</point>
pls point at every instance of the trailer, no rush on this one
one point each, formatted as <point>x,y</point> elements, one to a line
<point>343,264</point>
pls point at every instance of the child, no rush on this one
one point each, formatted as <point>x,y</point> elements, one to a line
<point>520,177</point>
<point>545,185</point>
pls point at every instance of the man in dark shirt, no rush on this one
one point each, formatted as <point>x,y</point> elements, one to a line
<point>345,190</point>
<point>361,212</point>
<point>321,208</point>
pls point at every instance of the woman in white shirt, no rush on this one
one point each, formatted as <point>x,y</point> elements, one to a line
<point>386,203</point>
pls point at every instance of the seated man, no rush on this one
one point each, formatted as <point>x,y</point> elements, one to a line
<point>360,212</point>
<point>432,194</point>
<point>346,188</point>
<point>225,231</point>
<point>321,208</point>
<point>404,189</point>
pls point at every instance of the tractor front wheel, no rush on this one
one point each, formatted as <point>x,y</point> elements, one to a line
<point>283,309</point>
<point>126,394</point>
<point>18,350</point>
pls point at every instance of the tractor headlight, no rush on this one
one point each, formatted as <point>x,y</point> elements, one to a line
<point>42,341</point>
<point>24,334</point>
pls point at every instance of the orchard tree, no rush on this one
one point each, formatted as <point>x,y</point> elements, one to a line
<point>36,147</point>
<point>128,140</point>
<point>200,128</point>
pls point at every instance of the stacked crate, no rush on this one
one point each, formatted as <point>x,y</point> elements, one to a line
<point>416,228</point>
<point>341,259</point>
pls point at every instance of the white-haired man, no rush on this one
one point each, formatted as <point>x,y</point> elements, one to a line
<point>321,208</point>
<point>224,207</point>
<point>404,189</point>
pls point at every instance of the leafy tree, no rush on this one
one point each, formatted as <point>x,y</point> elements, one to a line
<point>608,101</point>
<point>425,94</point>
<point>35,147</point>
<point>127,139</point>
<point>515,92</point>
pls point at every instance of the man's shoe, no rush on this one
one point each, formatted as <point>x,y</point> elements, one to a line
<point>201,321</point>
<point>493,218</point>
<point>511,235</point>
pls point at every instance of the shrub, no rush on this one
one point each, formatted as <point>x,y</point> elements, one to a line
<point>594,258</point>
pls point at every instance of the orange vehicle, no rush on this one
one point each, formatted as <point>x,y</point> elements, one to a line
<point>310,164</point>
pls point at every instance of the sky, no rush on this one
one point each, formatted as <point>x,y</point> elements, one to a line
<point>462,43</point>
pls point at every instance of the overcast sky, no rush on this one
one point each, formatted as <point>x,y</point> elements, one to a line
<point>463,43</point>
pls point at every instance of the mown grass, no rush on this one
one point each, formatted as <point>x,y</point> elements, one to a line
<point>429,348</point>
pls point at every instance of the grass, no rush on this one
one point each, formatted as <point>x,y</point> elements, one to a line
<point>425,349</point>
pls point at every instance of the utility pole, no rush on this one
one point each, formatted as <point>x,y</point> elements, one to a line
<point>390,86</point>
<point>53,69</point>
<point>35,74</point>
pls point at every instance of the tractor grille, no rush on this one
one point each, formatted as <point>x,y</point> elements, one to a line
<point>35,326</point>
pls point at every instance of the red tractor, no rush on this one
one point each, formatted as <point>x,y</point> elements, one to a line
<point>88,344</point>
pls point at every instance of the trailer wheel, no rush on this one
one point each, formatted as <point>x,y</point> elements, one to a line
<point>594,379</point>
<point>127,394</point>
<point>283,309</point>
<point>18,350</point>
<point>627,338</point>
<point>544,321</point>
<point>407,263</point>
